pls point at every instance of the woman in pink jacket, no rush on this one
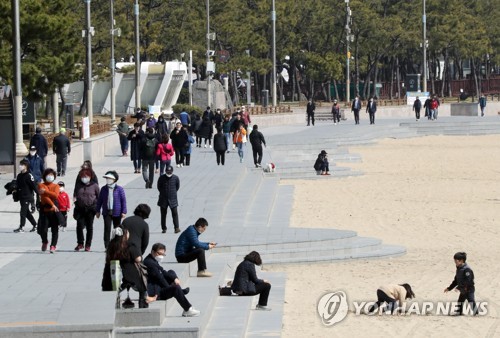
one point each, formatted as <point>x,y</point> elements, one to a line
<point>164,151</point>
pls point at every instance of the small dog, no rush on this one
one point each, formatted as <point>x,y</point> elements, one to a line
<point>269,168</point>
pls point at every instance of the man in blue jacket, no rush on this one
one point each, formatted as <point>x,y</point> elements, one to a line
<point>166,284</point>
<point>189,248</point>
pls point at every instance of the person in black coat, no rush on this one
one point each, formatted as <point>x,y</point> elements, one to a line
<point>40,143</point>
<point>26,186</point>
<point>148,146</point>
<point>168,185</point>
<point>371,109</point>
<point>62,148</point>
<point>321,165</point>
<point>220,146</point>
<point>310,109</point>
<point>165,284</point>
<point>355,108</point>
<point>417,105</point>
<point>257,140</point>
<point>246,283</point>
<point>129,255</point>
<point>137,227</point>
<point>135,137</point>
<point>206,131</point>
<point>179,139</point>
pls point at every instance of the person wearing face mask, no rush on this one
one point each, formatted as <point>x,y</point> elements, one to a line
<point>40,143</point>
<point>371,109</point>
<point>122,130</point>
<point>78,182</point>
<point>49,191</point>
<point>113,203</point>
<point>168,185</point>
<point>26,186</point>
<point>36,164</point>
<point>135,137</point>
<point>85,209</point>
<point>165,284</point>
<point>161,126</point>
<point>137,227</point>
<point>64,204</point>
<point>179,139</point>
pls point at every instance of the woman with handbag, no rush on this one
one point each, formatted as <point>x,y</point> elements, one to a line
<point>133,271</point>
<point>239,138</point>
<point>85,209</point>
<point>246,283</point>
<point>49,191</point>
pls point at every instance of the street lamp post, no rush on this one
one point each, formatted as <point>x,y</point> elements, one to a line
<point>88,36</point>
<point>112,63</point>
<point>18,95</point>
<point>348,52</point>
<point>273,18</point>
<point>209,101</point>
<point>424,47</point>
<point>137,58</point>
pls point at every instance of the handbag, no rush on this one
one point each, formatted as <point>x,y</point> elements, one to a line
<point>225,291</point>
<point>61,220</point>
<point>143,273</point>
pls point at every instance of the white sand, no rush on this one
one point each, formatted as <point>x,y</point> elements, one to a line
<point>434,195</point>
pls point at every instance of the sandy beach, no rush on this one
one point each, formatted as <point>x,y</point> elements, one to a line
<point>435,195</point>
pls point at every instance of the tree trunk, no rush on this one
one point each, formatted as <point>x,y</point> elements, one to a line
<point>398,78</point>
<point>445,69</point>
<point>336,90</point>
<point>474,70</point>
<point>392,79</point>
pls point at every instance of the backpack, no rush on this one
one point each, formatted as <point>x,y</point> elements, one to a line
<point>150,146</point>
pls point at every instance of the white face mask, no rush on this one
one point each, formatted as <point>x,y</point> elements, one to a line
<point>159,259</point>
<point>32,153</point>
<point>61,189</point>
<point>169,175</point>
<point>22,168</point>
<point>110,181</point>
<point>85,180</point>
<point>49,178</point>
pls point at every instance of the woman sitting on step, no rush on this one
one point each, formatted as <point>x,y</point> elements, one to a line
<point>246,283</point>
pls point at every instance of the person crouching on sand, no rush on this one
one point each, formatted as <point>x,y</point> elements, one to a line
<point>392,294</point>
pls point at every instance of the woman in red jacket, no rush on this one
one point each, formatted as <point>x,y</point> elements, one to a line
<point>49,192</point>
<point>164,151</point>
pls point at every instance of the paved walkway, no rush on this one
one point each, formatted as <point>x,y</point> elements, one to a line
<point>246,210</point>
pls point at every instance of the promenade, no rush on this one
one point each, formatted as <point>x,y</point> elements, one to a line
<point>46,294</point>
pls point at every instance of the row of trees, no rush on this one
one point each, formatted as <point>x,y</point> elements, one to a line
<point>311,36</point>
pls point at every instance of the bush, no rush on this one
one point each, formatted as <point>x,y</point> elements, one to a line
<point>178,108</point>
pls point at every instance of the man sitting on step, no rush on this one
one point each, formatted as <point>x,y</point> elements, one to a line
<point>189,248</point>
<point>166,284</point>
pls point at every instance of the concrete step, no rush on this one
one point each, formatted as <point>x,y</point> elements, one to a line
<point>261,203</point>
<point>268,323</point>
<point>282,207</point>
<point>235,316</point>
<point>203,295</point>
<point>383,251</point>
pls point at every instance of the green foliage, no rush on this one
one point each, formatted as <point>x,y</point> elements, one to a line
<point>180,107</point>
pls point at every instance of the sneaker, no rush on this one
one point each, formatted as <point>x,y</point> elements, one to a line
<point>164,231</point>
<point>87,248</point>
<point>262,308</point>
<point>192,312</point>
<point>182,165</point>
<point>210,146</point>
<point>52,249</point>
<point>44,246</point>
<point>241,160</point>
<point>33,229</point>
<point>147,184</point>
<point>205,145</point>
<point>185,291</point>
<point>178,166</point>
<point>177,230</point>
<point>63,229</point>
<point>79,247</point>
<point>204,273</point>
<point>19,230</point>
<point>234,146</point>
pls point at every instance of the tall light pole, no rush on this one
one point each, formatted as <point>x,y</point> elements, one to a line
<point>348,52</point>
<point>137,58</point>
<point>424,47</point>
<point>89,31</point>
<point>18,95</point>
<point>273,18</point>
<point>209,101</point>
<point>112,63</point>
